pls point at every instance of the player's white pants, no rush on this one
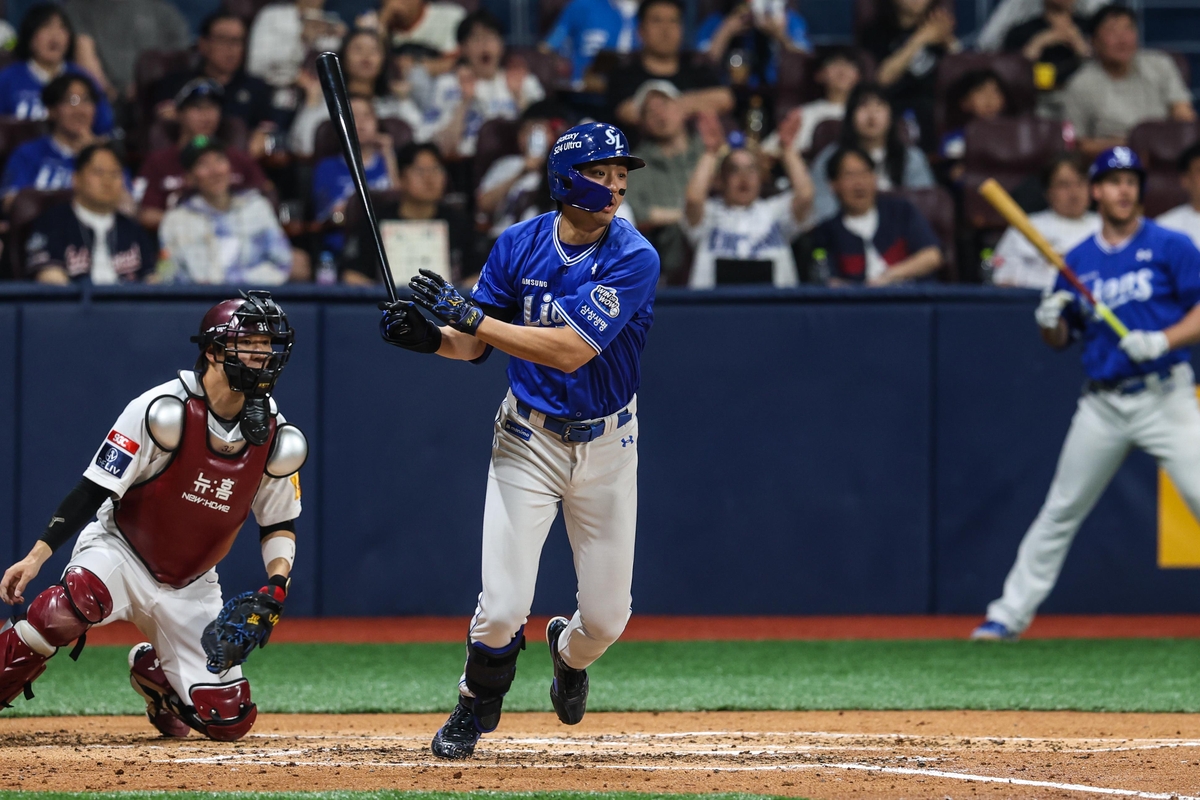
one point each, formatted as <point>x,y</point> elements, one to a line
<point>171,619</point>
<point>1163,420</point>
<point>597,485</point>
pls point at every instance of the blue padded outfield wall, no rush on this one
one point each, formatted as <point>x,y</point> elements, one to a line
<point>809,452</point>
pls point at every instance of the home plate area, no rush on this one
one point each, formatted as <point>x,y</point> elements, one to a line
<point>811,754</point>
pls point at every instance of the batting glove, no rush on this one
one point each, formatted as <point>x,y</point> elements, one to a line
<point>435,293</point>
<point>1050,310</point>
<point>404,326</point>
<point>1145,345</point>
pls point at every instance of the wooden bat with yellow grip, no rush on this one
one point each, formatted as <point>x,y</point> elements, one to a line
<point>1002,201</point>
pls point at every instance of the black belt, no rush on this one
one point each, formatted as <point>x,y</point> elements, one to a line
<point>1138,383</point>
<point>574,431</point>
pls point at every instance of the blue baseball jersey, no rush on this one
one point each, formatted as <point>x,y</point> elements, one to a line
<point>39,164</point>
<point>1150,282</point>
<point>605,292</point>
<point>21,95</point>
<point>585,27</point>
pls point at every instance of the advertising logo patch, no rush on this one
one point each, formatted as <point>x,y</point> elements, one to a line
<point>605,297</point>
<point>113,460</point>
<point>593,316</point>
<point>124,442</point>
<point>520,431</point>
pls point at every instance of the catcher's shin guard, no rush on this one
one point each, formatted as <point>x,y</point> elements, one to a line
<point>57,616</point>
<point>148,679</point>
<point>489,674</point>
<point>222,712</point>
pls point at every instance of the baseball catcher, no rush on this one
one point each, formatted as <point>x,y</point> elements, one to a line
<point>170,487</point>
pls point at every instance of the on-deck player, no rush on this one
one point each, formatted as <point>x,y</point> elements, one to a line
<point>1140,390</point>
<point>173,482</point>
<point>569,295</point>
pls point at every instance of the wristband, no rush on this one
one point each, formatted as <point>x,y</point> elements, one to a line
<point>279,547</point>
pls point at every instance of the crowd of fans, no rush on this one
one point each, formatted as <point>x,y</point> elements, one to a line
<point>131,153</point>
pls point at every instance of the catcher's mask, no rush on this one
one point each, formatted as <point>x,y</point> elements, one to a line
<point>225,329</point>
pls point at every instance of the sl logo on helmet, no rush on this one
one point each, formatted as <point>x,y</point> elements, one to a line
<point>613,138</point>
<point>1122,155</point>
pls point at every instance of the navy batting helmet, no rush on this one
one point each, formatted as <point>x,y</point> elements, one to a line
<point>586,144</point>
<point>1114,159</point>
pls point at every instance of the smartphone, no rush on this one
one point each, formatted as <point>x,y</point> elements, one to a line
<point>538,143</point>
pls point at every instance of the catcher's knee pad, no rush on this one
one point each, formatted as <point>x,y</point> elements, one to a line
<point>489,675</point>
<point>66,610</point>
<point>222,712</point>
<point>20,664</point>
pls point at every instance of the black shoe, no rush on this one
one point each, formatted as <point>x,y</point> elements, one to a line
<point>457,738</point>
<point>569,689</point>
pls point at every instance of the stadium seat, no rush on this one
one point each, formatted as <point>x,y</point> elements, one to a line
<point>937,206</point>
<point>150,68</point>
<point>825,134</point>
<point>1008,150</point>
<point>15,132</point>
<point>551,69</point>
<point>548,14</point>
<point>1159,144</point>
<point>497,137</point>
<point>28,205</point>
<point>796,84</point>
<point>1014,70</point>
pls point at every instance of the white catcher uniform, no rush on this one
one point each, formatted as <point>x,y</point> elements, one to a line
<point>1151,281</point>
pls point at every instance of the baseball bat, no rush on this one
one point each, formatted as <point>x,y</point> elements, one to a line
<point>337,99</point>
<point>1002,201</point>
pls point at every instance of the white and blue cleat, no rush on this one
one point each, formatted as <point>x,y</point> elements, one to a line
<point>992,631</point>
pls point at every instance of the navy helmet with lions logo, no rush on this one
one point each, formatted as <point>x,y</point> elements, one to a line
<point>227,323</point>
<point>586,144</point>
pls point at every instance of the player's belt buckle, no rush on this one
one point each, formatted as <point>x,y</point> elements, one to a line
<point>580,433</point>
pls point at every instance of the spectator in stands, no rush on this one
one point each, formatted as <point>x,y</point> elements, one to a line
<point>45,49</point>
<point>738,235</point>
<point>122,29</point>
<point>514,188</point>
<point>218,235</point>
<point>1066,223</point>
<point>88,239</point>
<point>284,33</point>
<point>162,181</point>
<point>332,185</point>
<point>1186,218</point>
<point>1010,13</point>
<point>979,94</point>
<point>481,89</point>
<point>1054,40</point>
<point>422,191</point>
<point>431,23</point>
<point>48,162</point>
<point>907,41</point>
<point>363,63</point>
<point>586,27</point>
<point>1123,86</point>
<point>872,127</point>
<point>671,153</point>
<point>660,26</point>
<point>838,72</point>
<point>746,39</point>
<point>874,240</point>
<point>222,49</point>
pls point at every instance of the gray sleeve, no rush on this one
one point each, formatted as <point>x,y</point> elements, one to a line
<point>825,204</point>
<point>1076,99</point>
<point>917,174</point>
<point>1166,71</point>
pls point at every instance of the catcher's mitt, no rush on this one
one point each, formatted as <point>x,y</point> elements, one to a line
<point>245,622</point>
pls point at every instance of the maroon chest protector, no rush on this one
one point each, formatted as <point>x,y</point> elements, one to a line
<point>184,520</point>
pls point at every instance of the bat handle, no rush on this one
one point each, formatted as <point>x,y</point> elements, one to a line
<point>1113,321</point>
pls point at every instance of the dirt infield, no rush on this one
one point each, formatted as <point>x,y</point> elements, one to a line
<point>814,754</point>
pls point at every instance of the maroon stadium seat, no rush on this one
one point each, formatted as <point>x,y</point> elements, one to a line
<point>795,83</point>
<point>151,67</point>
<point>1009,150</point>
<point>28,205</point>
<point>497,137</point>
<point>551,69</point>
<point>15,132</point>
<point>825,134</point>
<point>1159,145</point>
<point>1014,70</point>
<point>937,206</point>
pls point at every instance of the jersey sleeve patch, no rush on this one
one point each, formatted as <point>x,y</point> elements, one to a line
<point>124,442</point>
<point>113,460</point>
<point>606,299</point>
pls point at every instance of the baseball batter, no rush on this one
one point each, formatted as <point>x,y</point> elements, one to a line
<point>1140,390</point>
<point>569,296</point>
<point>173,481</point>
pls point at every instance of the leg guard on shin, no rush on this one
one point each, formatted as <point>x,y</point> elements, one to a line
<point>162,703</point>
<point>222,712</point>
<point>56,617</point>
<point>489,675</point>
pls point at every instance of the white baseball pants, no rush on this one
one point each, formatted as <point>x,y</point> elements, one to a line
<point>1163,420</point>
<point>596,482</point>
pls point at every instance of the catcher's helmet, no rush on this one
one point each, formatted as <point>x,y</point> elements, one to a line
<point>586,144</point>
<point>1115,159</point>
<point>255,313</point>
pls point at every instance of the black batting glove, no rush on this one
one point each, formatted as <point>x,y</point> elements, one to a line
<point>403,325</point>
<point>435,293</point>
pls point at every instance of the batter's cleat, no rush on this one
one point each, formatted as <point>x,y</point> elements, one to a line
<point>992,631</point>
<point>457,738</point>
<point>148,679</point>
<point>569,689</point>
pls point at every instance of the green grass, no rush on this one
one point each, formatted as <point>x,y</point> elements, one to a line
<point>1093,675</point>
<point>385,795</point>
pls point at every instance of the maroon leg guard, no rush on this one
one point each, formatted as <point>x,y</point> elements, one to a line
<point>148,679</point>
<point>223,712</point>
<point>19,666</point>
